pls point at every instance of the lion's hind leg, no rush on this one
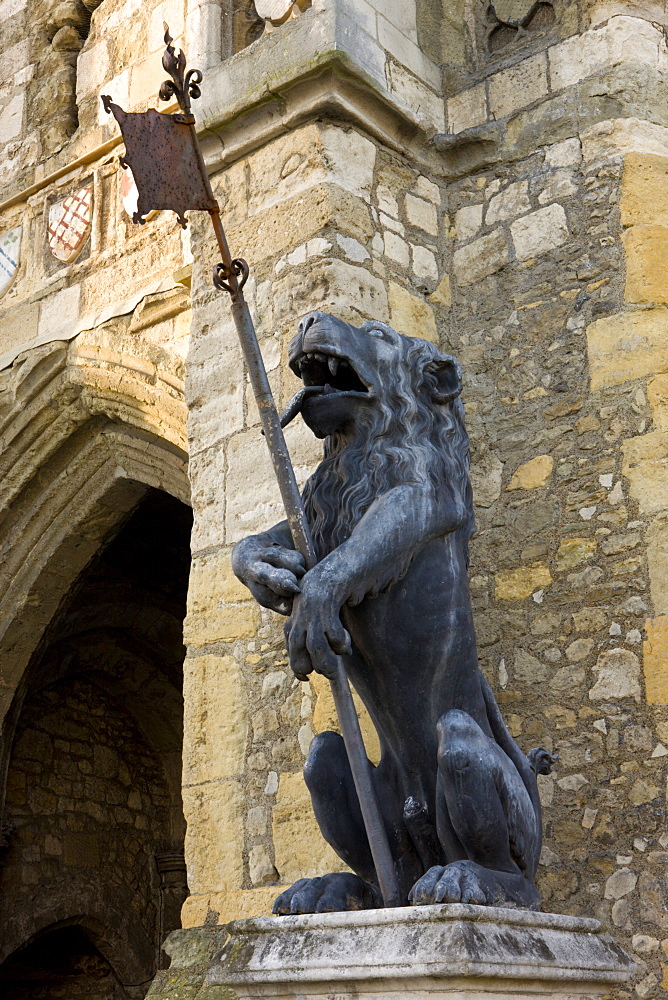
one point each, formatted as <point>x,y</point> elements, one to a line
<point>484,810</point>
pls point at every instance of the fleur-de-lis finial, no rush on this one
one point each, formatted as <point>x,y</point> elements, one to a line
<point>184,86</point>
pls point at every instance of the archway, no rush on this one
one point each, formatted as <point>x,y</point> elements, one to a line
<point>93,819</point>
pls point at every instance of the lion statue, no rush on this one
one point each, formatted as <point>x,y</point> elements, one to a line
<point>391,513</point>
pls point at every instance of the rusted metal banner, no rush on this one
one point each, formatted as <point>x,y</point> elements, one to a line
<point>159,151</point>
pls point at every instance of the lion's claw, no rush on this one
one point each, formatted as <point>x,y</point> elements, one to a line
<point>328,893</point>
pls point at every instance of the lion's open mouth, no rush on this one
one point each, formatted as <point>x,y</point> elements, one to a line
<point>333,373</point>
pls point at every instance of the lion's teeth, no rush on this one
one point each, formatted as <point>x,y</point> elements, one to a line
<point>333,365</point>
<point>320,357</point>
<point>326,391</point>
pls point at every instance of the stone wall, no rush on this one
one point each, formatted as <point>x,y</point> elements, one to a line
<point>497,188</point>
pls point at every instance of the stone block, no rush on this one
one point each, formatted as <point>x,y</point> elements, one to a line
<point>618,676</point>
<point>656,547</point>
<point>644,195</point>
<point>539,232</point>
<point>306,157</point>
<point>299,848</point>
<point>210,617</point>
<point>573,552</point>
<point>468,221</point>
<point>533,474</point>
<point>655,660</point>
<point>509,203</point>
<point>407,52</point>
<point>563,154</point>
<point>657,395</point>
<point>118,89</point>
<point>422,214</point>
<point>239,904</point>
<point>424,264</point>
<point>622,39</point>
<point>646,249</point>
<point>467,109</point>
<point>11,119</point>
<point>627,346</point>
<point>518,584</point>
<point>59,312</point>
<point>422,102</point>
<point>477,260</point>
<point>645,464</point>
<point>514,88</point>
<point>92,69</point>
<point>253,499</point>
<point>19,326</point>
<point>442,294</point>
<point>215,719</point>
<point>350,292</point>
<point>453,950</point>
<point>410,314</point>
<point>214,841</point>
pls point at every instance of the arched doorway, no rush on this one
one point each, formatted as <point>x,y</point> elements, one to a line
<point>93,824</point>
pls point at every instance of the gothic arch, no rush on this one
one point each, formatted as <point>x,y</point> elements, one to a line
<point>84,432</point>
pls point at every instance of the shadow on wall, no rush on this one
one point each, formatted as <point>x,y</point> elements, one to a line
<point>94,826</point>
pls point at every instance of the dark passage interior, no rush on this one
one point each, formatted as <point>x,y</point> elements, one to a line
<point>92,875</point>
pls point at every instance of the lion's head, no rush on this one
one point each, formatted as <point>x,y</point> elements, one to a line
<point>388,408</point>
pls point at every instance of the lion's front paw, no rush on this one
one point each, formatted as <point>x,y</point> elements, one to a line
<point>454,883</point>
<point>468,882</point>
<point>314,634</point>
<point>338,891</point>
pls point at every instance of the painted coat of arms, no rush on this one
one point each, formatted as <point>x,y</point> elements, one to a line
<point>10,249</point>
<point>69,223</point>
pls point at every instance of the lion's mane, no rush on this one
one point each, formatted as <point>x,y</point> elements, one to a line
<point>404,438</point>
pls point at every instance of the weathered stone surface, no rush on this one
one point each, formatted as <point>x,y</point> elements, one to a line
<point>214,842</point>
<point>518,86</point>
<point>484,256</point>
<point>442,294</point>
<point>646,249</point>
<point>516,584</point>
<point>655,660</point>
<point>213,689</point>
<point>509,203</point>
<point>300,851</point>
<point>527,669</point>
<point>618,676</point>
<point>539,232</point>
<point>457,949</point>
<point>644,195</point>
<point>573,552</point>
<point>533,474</point>
<point>646,467</point>
<point>410,314</point>
<point>627,346</point>
<point>486,477</point>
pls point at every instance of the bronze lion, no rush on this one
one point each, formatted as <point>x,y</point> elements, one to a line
<point>391,512</point>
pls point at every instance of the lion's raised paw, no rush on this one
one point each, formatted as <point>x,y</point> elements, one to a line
<point>327,893</point>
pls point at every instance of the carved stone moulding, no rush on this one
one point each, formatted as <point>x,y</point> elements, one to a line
<point>451,950</point>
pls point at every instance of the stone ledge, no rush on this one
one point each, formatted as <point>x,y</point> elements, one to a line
<point>412,950</point>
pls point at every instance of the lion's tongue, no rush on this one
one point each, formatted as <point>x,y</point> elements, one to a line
<point>298,400</point>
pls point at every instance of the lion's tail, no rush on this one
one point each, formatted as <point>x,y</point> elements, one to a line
<point>520,760</point>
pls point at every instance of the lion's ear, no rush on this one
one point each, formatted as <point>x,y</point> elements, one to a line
<point>448,377</point>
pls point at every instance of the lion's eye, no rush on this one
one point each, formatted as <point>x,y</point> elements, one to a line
<point>377,333</point>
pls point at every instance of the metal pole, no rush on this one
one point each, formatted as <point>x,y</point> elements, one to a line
<point>301,535</point>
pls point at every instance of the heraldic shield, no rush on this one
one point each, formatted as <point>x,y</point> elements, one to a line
<point>69,223</point>
<point>10,249</point>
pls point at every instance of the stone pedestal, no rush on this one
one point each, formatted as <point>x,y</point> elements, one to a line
<point>454,951</point>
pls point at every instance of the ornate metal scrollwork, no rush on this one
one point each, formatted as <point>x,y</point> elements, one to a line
<point>222,275</point>
<point>184,86</point>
